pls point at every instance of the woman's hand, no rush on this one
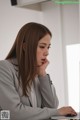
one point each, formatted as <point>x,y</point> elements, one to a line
<point>66,111</point>
<point>42,68</point>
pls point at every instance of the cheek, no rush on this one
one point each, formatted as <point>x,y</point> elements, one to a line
<point>38,54</point>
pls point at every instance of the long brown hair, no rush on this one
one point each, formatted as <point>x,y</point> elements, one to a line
<point>30,34</point>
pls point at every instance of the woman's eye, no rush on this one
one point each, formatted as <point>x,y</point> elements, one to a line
<point>42,46</point>
<point>49,47</point>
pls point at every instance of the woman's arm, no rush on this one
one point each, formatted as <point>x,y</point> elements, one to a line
<point>49,97</point>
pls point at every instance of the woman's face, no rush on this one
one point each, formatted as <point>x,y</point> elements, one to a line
<point>43,49</point>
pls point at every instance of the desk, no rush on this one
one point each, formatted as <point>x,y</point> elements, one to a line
<point>69,118</point>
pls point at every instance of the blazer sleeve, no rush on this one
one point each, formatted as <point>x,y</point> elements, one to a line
<point>48,92</point>
<point>10,100</point>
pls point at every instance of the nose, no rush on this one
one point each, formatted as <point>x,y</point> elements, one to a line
<point>46,53</point>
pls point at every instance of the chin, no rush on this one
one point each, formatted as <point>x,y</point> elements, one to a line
<point>39,64</point>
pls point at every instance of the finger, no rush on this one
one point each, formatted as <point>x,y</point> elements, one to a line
<point>72,111</point>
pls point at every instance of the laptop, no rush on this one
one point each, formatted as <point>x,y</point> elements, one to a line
<point>68,117</point>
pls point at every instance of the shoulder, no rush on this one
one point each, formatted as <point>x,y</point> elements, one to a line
<point>7,73</point>
<point>6,67</point>
<point>5,64</point>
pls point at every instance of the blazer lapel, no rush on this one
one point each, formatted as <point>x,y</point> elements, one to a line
<point>30,101</point>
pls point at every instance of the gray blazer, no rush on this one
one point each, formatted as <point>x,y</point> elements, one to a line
<point>21,106</point>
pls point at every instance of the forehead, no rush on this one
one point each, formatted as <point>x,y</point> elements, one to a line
<point>46,39</point>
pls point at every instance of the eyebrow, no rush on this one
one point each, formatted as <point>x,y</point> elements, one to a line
<point>44,44</point>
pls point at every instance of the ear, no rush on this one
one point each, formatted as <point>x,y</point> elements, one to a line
<point>24,46</point>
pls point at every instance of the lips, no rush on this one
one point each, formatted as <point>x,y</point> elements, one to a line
<point>43,60</point>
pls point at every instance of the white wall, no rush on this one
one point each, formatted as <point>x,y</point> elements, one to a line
<point>11,20</point>
<point>70,35</point>
<point>70,23</point>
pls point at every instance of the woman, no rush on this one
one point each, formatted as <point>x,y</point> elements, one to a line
<point>25,88</point>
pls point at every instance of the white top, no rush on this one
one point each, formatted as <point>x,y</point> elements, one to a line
<point>33,96</point>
